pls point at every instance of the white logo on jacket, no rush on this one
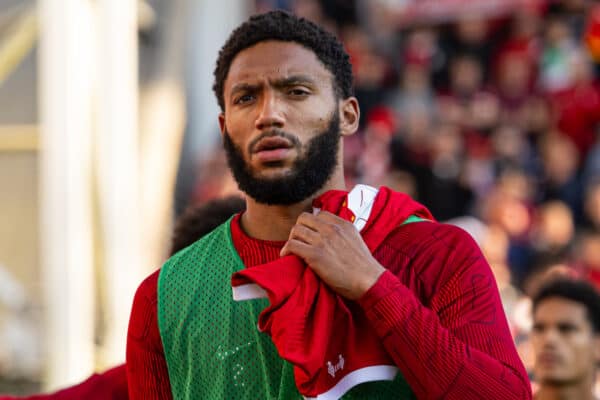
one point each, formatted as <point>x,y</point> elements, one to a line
<point>332,369</point>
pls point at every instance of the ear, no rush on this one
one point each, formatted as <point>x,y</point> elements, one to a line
<point>349,116</point>
<point>222,123</point>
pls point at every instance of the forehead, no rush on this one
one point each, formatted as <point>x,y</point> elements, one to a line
<point>558,309</point>
<point>275,60</point>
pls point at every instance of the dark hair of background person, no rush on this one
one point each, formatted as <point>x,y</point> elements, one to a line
<point>197,221</point>
<point>575,290</point>
<point>282,26</point>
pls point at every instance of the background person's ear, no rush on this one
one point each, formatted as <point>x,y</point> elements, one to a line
<point>349,116</point>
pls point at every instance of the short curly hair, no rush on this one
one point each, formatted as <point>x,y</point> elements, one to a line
<point>197,221</point>
<point>286,27</point>
<point>576,290</point>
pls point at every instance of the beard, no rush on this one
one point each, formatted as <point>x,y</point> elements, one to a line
<point>309,173</point>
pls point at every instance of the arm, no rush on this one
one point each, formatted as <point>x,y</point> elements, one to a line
<point>459,345</point>
<point>147,374</point>
<point>111,384</point>
<point>435,306</point>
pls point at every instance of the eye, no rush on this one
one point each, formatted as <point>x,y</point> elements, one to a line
<point>567,328</point>
<point>538,328</point>
<point>298,92</point>
<point>245,98</point>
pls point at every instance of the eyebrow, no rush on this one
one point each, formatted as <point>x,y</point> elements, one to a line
<point>278,83</point>
<point>294,80</point>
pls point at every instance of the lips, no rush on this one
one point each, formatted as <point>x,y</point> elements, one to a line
<point>272,149</point>
<point>548,359</point>
<point>272,143</point>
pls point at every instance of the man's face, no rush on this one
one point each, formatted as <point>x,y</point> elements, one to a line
<point>563,341</point>
<point>281,123</point>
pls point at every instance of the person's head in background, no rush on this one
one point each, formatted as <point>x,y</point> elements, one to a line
<point>553,230</point>
<point>560,158</point>
<point>566,339</point>
<point>466,76</point>
<point>587,255</point>
<point>197,221</point>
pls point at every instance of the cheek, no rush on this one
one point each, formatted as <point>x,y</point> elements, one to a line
<point>582,353</point>
<point>536,344</point>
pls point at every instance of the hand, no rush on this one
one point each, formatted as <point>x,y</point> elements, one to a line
<point>335,251</point>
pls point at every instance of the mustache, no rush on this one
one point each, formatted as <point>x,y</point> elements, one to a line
<point>274,133</point>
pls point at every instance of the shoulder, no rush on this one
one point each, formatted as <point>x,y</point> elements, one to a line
<point>143,311</point>
<point>428,236</point>
<point>429,255</point>
<point>146,291</point>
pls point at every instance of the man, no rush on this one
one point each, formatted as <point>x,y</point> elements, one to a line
<point>284,86</point>
<point>193,224</point>
<point>566,339</point>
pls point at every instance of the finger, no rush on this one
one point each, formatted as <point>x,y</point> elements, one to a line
<point>327,218</point>
<point>303,233</point>
<point>309,220</point>
<point>320,221</point>
<point>296,247</point>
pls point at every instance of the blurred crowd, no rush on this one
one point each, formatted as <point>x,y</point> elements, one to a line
<point>490,117</point>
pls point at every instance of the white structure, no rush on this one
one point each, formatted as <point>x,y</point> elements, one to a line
<point>104,185</point>
<point>88,105</point>
<point>66,47</point>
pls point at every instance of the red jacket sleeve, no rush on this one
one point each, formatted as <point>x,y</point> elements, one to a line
<point>109,385</point>
<point>147,374</point>
<point>447,332</point>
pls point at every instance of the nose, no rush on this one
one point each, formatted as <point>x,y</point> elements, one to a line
<point>270,112</point>
<point>550,338</point>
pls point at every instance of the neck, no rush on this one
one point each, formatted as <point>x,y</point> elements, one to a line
<point>274,222</point>
<point>574,392</point>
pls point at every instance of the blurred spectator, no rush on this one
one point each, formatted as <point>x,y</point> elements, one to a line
<point>372,71</point>
<point>444,190</point>
<point>374,158</point>
<point>560,160</point>
<point>523,36</point>
<point>587,256</point>
<point>559,46</point>
<point>495,246</point>
<point>401,181</point>
<point>470,34</point>
<point>591,167</point>
<point>413,91</point>
<point>577,105</point>
<point>552,234</point>
<point>434,158</point>
<point>592,204</point>
<point>514,81</point>
<point>535,118</point>
<point>511,149</point>
<point>508,206</point>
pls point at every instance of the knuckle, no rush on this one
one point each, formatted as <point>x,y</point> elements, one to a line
<point>335,228</point>
<point>304,216</point>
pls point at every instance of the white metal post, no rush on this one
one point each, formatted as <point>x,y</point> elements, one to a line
<point>118,167</point>
<point>65,76</point>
